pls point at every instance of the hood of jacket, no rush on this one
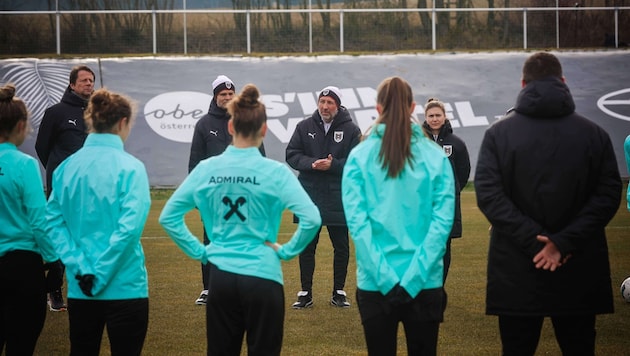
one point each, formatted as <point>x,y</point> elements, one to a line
<point>217,112</point>
<point>545,98</point>
<point>69,97</point>
<point>342,116</point>
<point>446,129</point>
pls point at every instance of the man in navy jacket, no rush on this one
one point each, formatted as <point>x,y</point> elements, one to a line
<point>318,150</point>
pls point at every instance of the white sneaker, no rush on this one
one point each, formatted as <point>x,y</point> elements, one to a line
<point>203,298</point>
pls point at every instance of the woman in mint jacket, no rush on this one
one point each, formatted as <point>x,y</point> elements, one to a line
<point>241,196</point>
<point>399,199</point>
<point>96,213</point>
<point>23,240</point>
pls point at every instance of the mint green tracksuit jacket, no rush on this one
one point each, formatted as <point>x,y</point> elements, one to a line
<point>22,204</point>
<point>241,196</point>
<point>399,226</point>
<point>96,214</point>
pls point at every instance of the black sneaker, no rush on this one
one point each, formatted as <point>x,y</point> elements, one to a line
<point>203,298</point>
<point>339,299</point>
<point>55,301</point>
<point>305,300</point>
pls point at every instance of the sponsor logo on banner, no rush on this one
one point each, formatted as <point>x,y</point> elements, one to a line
<point>173,115</point>
<point>616,104</point>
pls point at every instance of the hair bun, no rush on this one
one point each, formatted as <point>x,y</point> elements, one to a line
<point>101,99</point>
<point>433,99</point>
<point>249,96</point>
<point>7,92</point>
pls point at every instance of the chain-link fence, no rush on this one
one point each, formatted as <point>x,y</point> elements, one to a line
<point>306,30</point>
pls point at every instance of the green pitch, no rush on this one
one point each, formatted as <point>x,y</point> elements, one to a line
<point>177,325</point>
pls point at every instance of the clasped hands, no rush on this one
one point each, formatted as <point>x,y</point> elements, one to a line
<point>322,164</point>
<point>86,282</point>
<point>549,258</point>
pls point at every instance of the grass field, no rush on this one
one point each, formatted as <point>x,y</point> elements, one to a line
<point>177,325</point>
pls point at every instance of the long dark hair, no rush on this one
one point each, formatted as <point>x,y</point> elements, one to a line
<point>395,99</point>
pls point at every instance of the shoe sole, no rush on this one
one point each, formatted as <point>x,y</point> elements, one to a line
<point>200,303</point>
<point>308,305</point>
<point>339,306</point>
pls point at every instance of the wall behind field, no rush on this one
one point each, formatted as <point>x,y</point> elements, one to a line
<point>172,93</point>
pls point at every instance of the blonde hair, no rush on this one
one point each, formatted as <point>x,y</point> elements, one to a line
<point>434,103</point>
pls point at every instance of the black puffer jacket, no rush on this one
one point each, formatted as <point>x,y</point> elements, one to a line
<point>544,169</point>
<point>211,136</point>
<point>310,143</point>
<point>457,153</point>
<point>61,133</point>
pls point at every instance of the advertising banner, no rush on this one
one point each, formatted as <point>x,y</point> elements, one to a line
<point>172,93</point>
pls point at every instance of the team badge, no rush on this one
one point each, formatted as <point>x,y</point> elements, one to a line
<point>338,137</point>
<point>448,149</point>
<point>228,85</point>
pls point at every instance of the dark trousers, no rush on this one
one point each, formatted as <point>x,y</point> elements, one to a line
<point>341,246</point>
<point>447,264</point>
<point>126,321</point>
<point>447,259</point>
<point>205,268</point>
<point>575,334</point>
<point>22,301</point>
<point>420,318</point>
<point>239,304</point>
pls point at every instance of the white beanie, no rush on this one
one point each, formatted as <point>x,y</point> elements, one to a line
<point>332,92</point>
<point>221,83</point>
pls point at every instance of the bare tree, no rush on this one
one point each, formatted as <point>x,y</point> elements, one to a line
<point>325,15</point>
<point>425,19</point>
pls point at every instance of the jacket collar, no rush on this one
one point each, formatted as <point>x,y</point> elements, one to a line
<point>71,98</point>
<point>545,98</point>
<point>104,139</point>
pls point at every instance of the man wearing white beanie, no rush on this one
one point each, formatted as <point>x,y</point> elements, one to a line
<point>211,138</point>
<point>318,150</point>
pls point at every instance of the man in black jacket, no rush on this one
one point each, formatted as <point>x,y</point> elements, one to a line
<point>61,133</point>
<point>548,182</point>
<point>211,138</point>
<point>318,150</point>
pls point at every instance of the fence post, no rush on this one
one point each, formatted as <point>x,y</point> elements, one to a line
<point>616,27</point>
<point>341,31</point>
<point>433,36</point>
<point>524,28</point>
<point>249,33</point>
<point>58,31</point>
<point>185,33</point>
<point>310,27</point>
<point>153,19</point>
<point>557,26</point>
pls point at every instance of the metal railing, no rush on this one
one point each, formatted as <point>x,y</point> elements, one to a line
<point>612,12</point>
